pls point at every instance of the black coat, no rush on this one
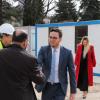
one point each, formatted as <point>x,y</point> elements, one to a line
<point>17,71</point>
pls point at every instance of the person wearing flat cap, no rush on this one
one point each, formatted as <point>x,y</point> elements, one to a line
<point>6,32</point>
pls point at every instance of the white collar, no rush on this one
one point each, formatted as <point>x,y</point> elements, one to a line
<point>58,48</point>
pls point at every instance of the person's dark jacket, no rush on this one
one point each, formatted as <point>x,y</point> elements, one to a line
<point>65,65</point>
<point>17,71</point>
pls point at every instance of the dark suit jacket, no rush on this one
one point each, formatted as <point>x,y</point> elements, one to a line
<point>17,71</point>
<point>65,63</point>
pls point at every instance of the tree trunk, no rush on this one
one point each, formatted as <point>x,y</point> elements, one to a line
<point>0,12</point>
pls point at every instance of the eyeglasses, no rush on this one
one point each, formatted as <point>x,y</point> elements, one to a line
<point>53,37</point>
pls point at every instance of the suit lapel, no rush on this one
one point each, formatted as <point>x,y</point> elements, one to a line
<point>61,56</point>
<point>49,55</point>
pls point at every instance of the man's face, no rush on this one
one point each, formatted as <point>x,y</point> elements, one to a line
<point>24,44</point>
<point>54,39</point>
<point>7,39</point>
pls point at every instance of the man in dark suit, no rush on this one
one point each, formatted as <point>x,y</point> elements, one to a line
<point>17,70</point>
<point>56,60</point>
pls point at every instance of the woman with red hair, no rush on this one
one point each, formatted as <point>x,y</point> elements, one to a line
<point>84,61</point>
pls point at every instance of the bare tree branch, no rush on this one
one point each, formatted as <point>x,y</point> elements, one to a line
<point>44,1</point>
<point>51,8</point>
<point>47,6</point>
<point>21,1</point>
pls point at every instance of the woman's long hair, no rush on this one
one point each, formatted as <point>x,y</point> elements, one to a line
<point>86,48</point>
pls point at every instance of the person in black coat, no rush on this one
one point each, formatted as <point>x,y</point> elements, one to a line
<point>18,70</point>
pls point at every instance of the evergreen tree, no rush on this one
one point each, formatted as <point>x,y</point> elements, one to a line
<point>65,11</point>
<point>38,11</point>
<point>27,20</point>
<point>33,12</point>
<point>90,10</point>
<point>5,11</point>
<point>10,13</point>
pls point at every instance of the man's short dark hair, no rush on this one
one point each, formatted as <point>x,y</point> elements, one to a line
<point>57,30</point>
<point>20,37</point>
